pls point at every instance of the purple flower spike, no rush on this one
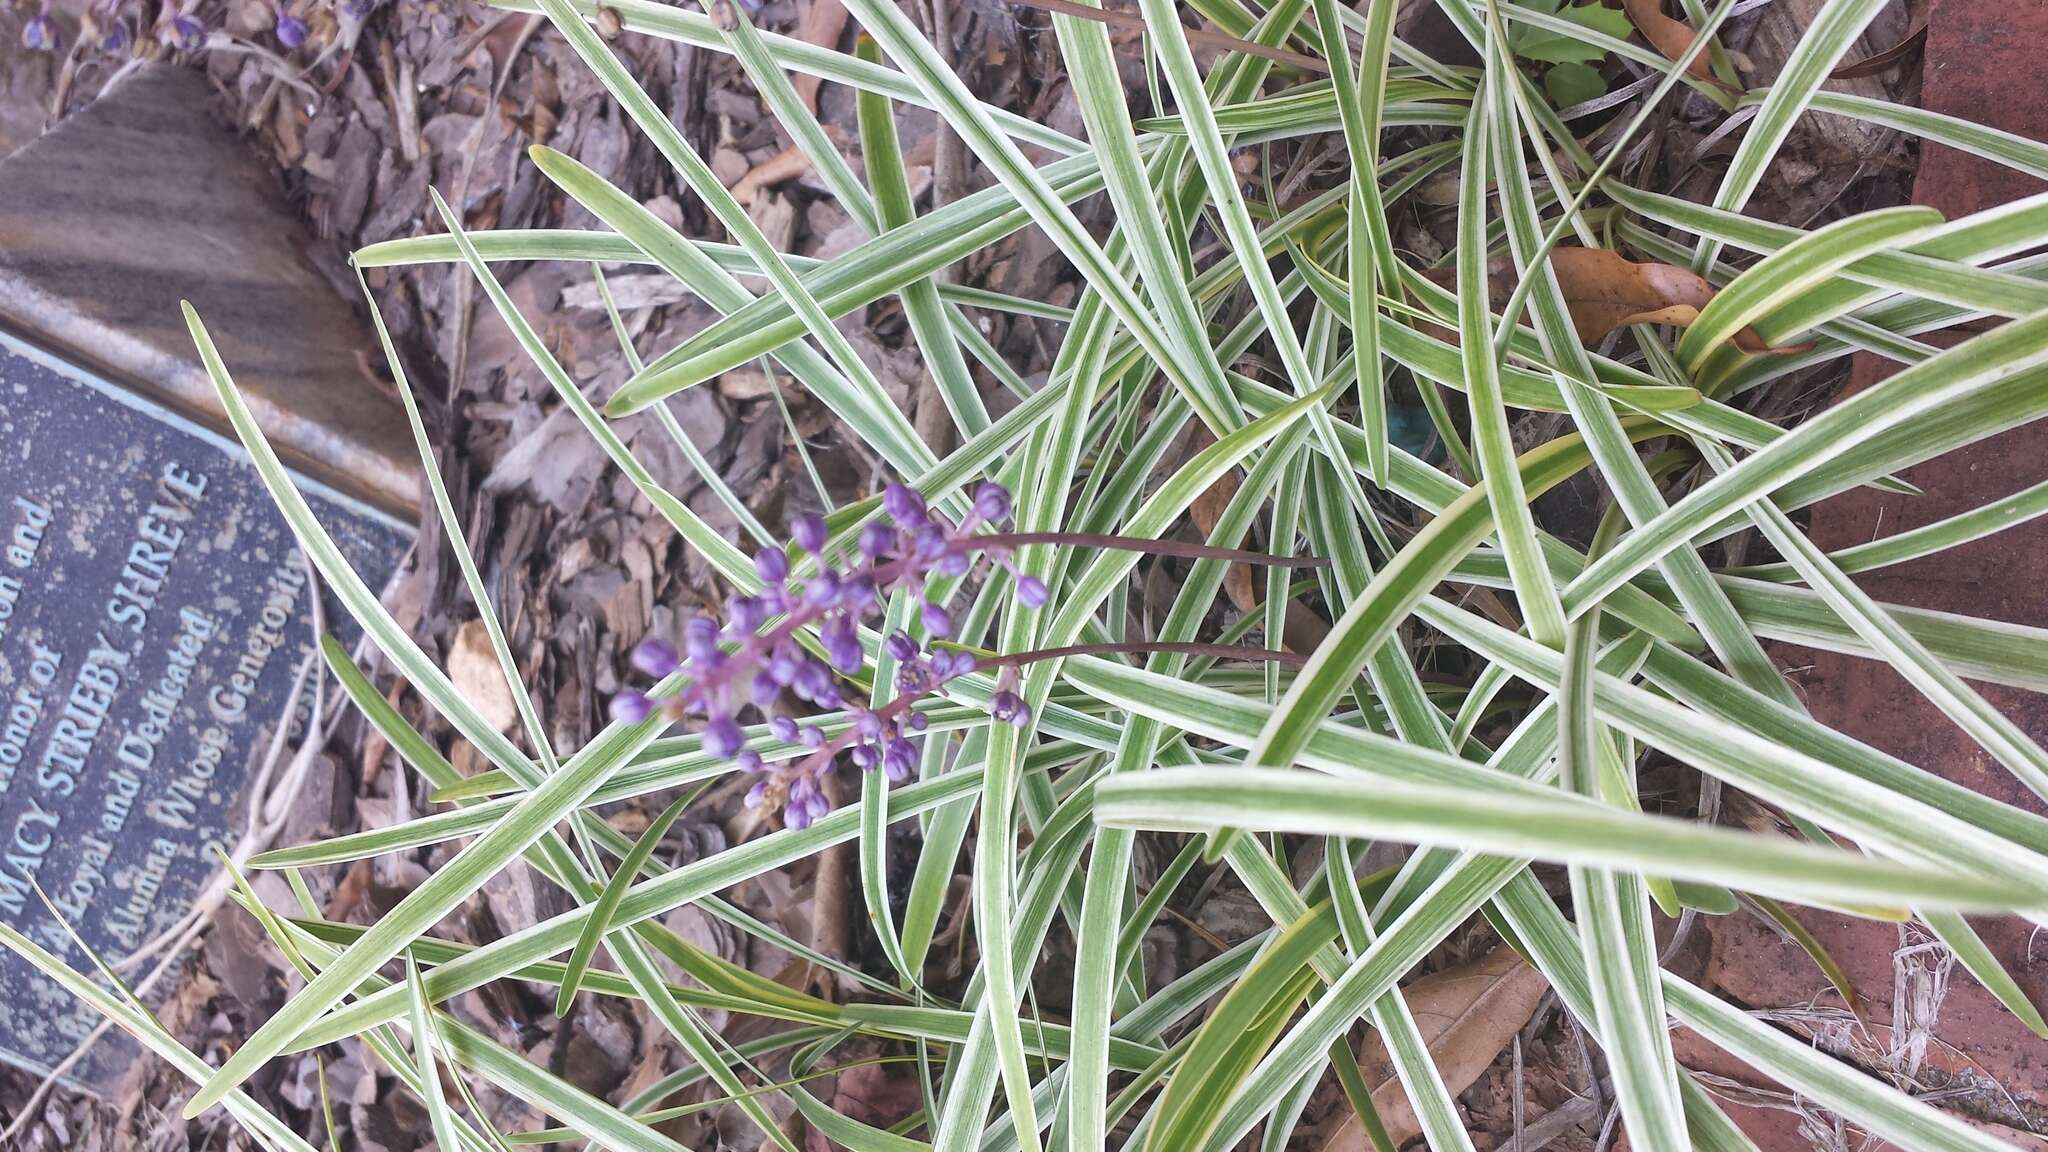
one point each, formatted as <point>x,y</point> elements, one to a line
<point>1031,592</point>
<point>631,707</point>
<point>656,659</point>
<point>936,622</point>
<point>291,31</point>
<point>771,565</point>
<point>723,738</point>
<point>809,533</point>
<point>992,502</point>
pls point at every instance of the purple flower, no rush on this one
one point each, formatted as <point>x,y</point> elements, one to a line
<point>1010,708</point>
<point>700,636</point>
<point>116,39</point>
<point>758,650</point>
<point>842,645</point>
<point>631,707</point>
<point>992,502</point>
<point>291,31</point>
<point>723,738</point>
<point>183,32</point>
<point>656,659</point>
<point>1031,592</point>
<point>809,533</point>
<point>39,35</point>
<point>876,539</point>
<point>822,591</point>
<point>903,505</point>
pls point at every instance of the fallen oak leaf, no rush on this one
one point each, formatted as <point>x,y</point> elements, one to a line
<point>1604,290</point>
<point>1466,1015</point>
<point>1671,37</point>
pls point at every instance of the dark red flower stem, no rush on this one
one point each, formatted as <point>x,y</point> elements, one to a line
<point>903,703</point>
<point>1137,544</point>
<point>1148,648</point>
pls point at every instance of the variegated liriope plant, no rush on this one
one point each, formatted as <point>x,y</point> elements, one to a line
<point>977,650</point>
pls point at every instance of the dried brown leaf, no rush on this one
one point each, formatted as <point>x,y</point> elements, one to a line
<point>1467,1015</point>
<point>1671,37</point>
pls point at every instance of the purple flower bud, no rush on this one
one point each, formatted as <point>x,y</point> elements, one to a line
<point>183,32</point>
<point>764,689</point>
<point>863,756</point>
<point>868,725</point>
<point>746,615</point>
<point>291,31</point>
<point>756,795</point>
<point>901,646</point>
<point>812,680</point>
<point>955,564</point>
<point>992,502</point>
<point>784,729</point>
<point>877,538</point>
<point>930,545</point>
<point>809,533</point>
<point>899,759</point>
<point>723,738</point>
<point>116,39</point>
<point>39,35</point>
<point>903,505</point>
<point>823,590</point>
<point>842,645</point>
<point>810,737</point>
<point>796,816</point>
<point>815,807</point>
<point>748,760</point>
<point>1031,592</point>
<point>936,622</point>
<point>857,592</point>
<point>1009,708</point>
<point>771,565</point>
<point>631,707</point>
<point>654,658</point>
<point>700,636</point>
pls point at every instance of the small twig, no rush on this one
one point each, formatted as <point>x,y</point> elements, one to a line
<point>1201,36</point>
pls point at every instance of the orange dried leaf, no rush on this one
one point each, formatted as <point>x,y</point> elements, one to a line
<point>1671,37</point>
